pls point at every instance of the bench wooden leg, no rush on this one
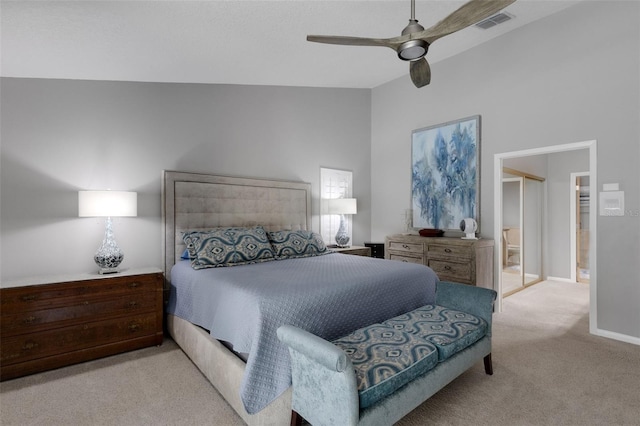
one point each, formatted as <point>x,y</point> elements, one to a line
<point>488,365</point>
<point>296,419</point>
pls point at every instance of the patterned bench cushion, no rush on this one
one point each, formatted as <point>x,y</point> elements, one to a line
<point>385,359</point>
<point>387,356</point>
<point>448,329</point>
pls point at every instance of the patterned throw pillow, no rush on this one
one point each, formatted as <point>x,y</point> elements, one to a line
<point>228,247</point>
<point>301,243</point>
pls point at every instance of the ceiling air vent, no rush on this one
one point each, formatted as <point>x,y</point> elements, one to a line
<point>494,20</point>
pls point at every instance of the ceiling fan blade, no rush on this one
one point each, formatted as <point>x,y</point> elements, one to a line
<point>352,41</point>
<point>420,72</point>
<point>466,15</point>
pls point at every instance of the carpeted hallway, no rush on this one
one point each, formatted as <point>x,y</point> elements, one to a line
<point>548,370</point>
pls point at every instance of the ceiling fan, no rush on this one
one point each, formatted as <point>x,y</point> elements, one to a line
<point>414,42</point>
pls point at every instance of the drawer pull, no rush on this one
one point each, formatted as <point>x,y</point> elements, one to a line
<point>134,284</point>
<point>132,304</point>
<point>29,320</point>
<point>447,267</point>
<point>29,345</point>
<point>447,250</point>
<point>404,246</point>
<point>29,298</point>
<point>134,327</point>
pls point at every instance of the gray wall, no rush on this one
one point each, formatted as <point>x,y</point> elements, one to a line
<point>569,78</point>
<point>61,136</point>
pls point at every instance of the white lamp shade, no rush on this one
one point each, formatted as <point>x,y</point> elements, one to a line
<point>342,206</point>
<point>107,203</point>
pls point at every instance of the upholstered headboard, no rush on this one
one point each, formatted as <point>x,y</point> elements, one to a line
<point>194,201</point>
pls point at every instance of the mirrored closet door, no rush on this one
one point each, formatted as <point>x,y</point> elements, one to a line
<point>522,214</point>
<point>511,234</point>
<point>532,231</point>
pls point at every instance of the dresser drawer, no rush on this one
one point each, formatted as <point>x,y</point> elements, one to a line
<point>451,271</point>
<point>46,296</point>
<point>449,251</point>
<point>67,339</point>
<point>408,259</point>
<point>406,247</point>
<point>354,251</point>
<point>78,310</point>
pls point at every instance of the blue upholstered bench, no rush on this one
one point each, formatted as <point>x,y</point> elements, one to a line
<point>378,374</point>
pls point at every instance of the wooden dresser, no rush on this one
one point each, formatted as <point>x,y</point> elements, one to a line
<point>453,259</point>
<point>50,323</point>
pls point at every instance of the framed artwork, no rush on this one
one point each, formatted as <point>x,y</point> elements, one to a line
<point>445,174</point>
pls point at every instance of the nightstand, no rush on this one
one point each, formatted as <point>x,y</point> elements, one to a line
<point>353,250</point>
<point>377,249</point>
<point>52,322</point>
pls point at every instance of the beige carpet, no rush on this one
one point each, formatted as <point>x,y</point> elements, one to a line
<point>547,371</point>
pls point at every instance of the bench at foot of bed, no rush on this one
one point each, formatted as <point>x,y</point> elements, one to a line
<point>378,374</point>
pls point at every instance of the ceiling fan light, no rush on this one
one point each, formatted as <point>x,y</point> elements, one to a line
<point>412,50</point>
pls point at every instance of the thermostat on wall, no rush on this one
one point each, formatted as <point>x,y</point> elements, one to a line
<point>612,203</point>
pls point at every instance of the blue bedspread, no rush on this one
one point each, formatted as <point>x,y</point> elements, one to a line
<point>330,296</point>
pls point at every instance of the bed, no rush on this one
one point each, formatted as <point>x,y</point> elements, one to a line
<point>229,331</point>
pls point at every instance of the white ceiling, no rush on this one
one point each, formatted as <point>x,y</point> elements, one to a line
<point>228,42</point>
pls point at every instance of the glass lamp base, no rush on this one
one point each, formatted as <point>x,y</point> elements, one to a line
<point>109,255</point>
<point>342,238</point>
<point>342,241</point>
<point>108,263</point>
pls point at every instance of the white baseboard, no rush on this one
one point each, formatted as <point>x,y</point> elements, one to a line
<point>562,280</point>
<point>617,336</point>
<point>599,332</point>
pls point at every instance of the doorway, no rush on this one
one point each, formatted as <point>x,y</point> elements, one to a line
<point>580,200</point>
<point>499,158</point>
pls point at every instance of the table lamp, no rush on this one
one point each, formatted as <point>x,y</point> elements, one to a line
<point>342,206</point>
<point>108,204</point>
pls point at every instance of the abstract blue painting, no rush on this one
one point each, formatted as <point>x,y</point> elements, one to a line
<point>445,170</point>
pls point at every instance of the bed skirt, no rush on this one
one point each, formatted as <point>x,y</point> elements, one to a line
<point>225,370</point>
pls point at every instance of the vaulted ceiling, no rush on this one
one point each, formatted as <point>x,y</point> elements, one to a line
<point>228,42</point>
